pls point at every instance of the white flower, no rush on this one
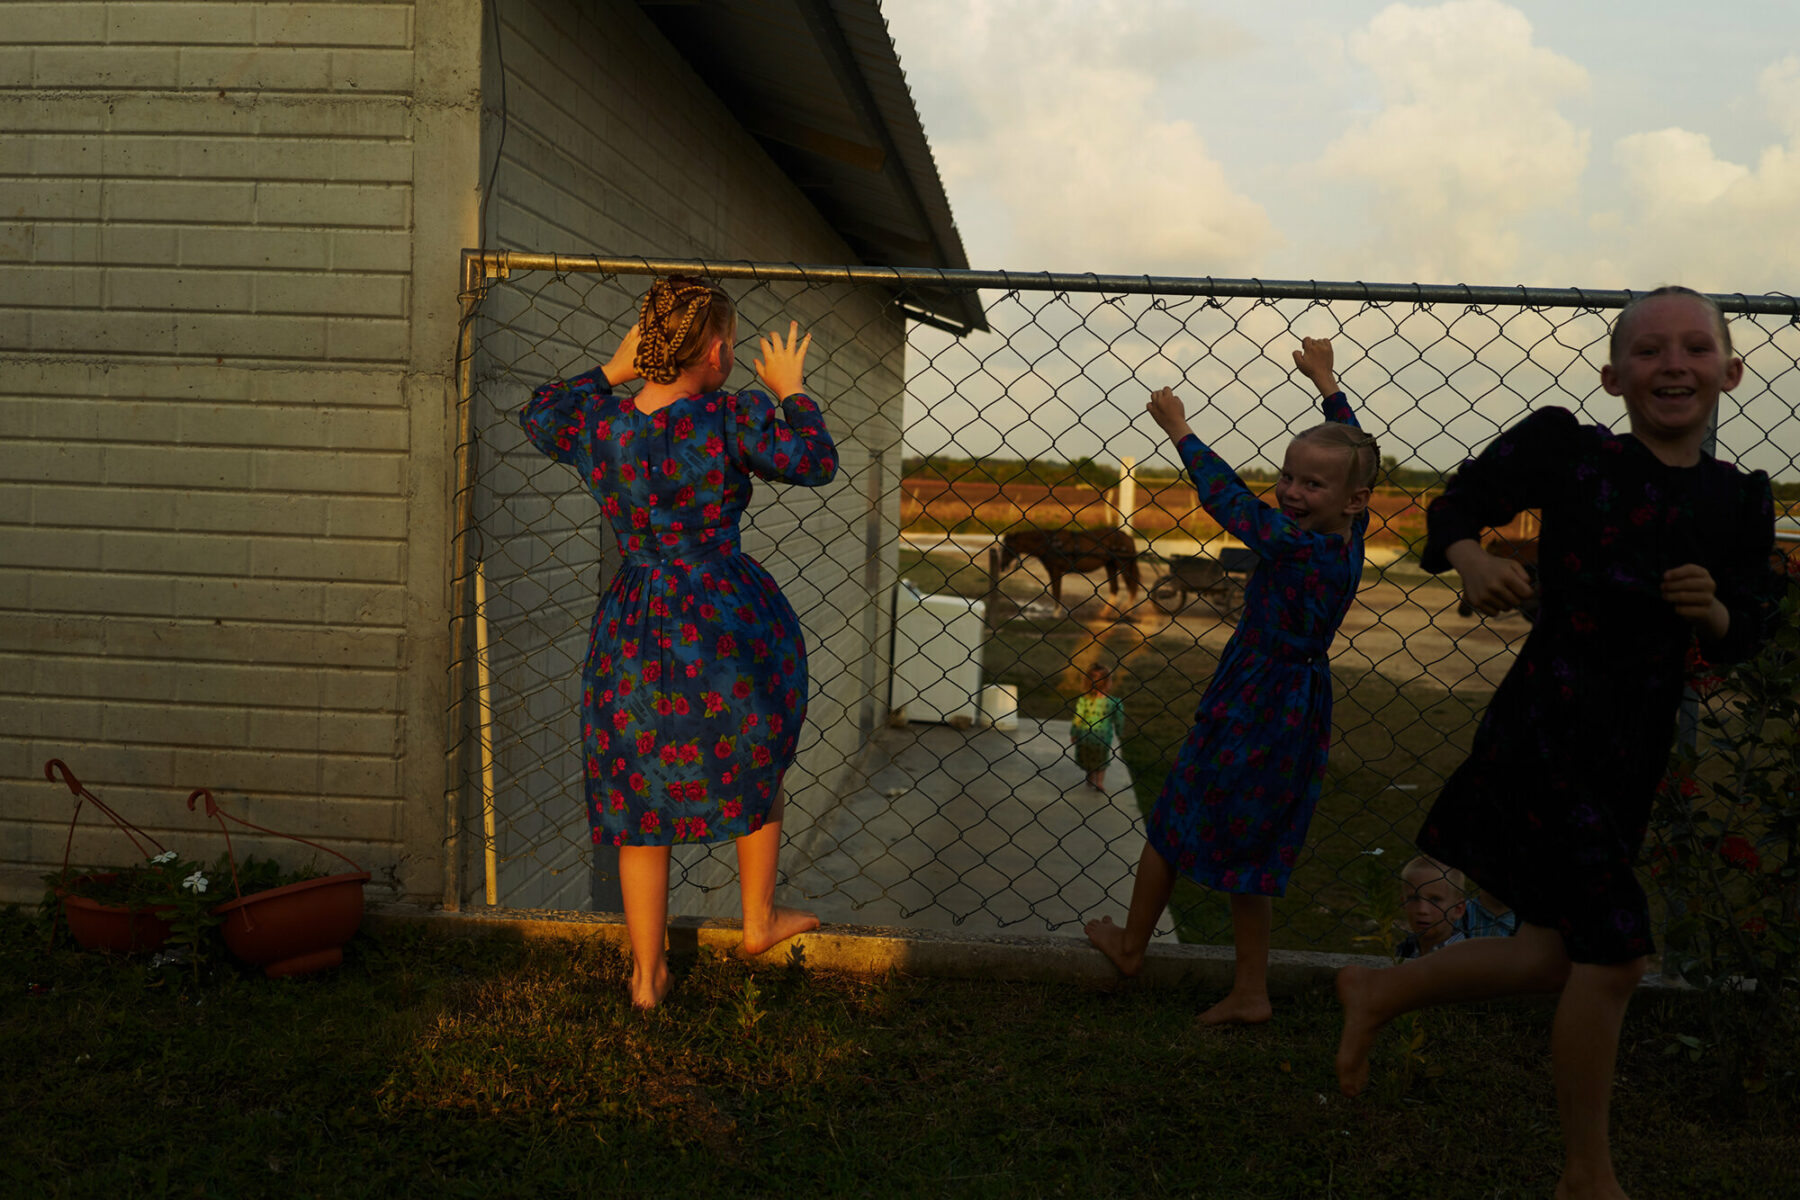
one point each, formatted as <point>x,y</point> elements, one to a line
<point>195,883</point>
<point>165,856</point>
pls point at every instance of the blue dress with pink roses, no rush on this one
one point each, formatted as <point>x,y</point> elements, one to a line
<point>694,688</point>
<point>1236,805</point>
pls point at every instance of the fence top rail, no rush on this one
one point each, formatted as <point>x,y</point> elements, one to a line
<point>500,263</point>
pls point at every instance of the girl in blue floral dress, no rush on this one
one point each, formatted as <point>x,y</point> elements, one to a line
<point>1235,807</point>
<point>694,688</point>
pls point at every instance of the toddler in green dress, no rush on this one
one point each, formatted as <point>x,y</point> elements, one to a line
<point>1098,716</point>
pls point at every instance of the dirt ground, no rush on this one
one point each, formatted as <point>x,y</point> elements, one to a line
<point>1403,623</point>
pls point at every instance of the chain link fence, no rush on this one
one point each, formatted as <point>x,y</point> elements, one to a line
<point>936,784</point>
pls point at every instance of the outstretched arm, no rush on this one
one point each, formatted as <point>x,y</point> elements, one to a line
<point>1314,360</point>
<point>782,367</point>
<point>1170,415</point>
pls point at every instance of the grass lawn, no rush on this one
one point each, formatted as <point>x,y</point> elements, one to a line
<point>494,1068</point>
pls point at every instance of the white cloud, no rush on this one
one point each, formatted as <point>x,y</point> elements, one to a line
<point>1673,171</point>
<point>1779,86</point>
<point>1047,129</point>
<point>1693,217</point>
<point>1468,142</point>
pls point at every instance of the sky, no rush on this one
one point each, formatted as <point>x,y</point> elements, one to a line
<point>1555,143</point>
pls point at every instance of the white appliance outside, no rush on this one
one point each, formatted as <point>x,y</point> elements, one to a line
<point>938,643</point>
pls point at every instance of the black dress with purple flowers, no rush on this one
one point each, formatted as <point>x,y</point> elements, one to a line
<point>694,688</point>
<point>1550,809</point>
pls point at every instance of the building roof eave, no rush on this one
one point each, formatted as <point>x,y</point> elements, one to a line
<point>819,84</point>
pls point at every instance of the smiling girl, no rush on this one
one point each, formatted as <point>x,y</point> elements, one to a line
<point>1235,807</point>
<point>1647,543</point>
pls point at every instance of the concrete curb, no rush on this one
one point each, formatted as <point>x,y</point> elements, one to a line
<point>940,954</point>
<point>877,950</point>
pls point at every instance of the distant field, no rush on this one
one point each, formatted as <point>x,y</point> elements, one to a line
<point>926,502</point>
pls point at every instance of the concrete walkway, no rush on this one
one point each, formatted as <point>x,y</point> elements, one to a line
<point>977,830</point>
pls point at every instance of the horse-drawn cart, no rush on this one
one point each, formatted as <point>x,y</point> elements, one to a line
<point>1218,579</point>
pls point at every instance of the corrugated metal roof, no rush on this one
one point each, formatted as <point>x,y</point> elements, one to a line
<point>819,84</point>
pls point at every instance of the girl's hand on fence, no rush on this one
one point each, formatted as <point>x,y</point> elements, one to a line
<point>1168,412</point>
<point>782,367</point>
<point>1491,585</point>
<point>622,367</point>
<point>1693,594</point>
<point>1314,359</point>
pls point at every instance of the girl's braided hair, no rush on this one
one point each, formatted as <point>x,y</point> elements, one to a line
<point>1365,455</point>
<point>679,319</point>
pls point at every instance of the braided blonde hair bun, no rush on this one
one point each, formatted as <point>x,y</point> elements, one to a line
<point>680,317</point>
<point>1365,455</point>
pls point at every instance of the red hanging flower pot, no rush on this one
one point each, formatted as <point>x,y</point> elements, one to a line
<point>100,922</point>
<point>296,929</point>
<point>291,930</point>
<point>99,926</point>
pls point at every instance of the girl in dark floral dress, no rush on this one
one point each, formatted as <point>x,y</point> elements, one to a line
<point>1236,805</point>
<point>694,688</point>
<point>1647,542</point>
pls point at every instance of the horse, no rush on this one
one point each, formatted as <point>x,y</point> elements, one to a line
<point>1076,550</point>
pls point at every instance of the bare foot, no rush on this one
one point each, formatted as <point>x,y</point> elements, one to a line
<point>1109,939</point>
<point>649,987</point>
<point>1235,1009</point>
<point>783,924</point>
<point>1361,1024</point>
<point>1600,1184</point>
<point>1566,1191</point>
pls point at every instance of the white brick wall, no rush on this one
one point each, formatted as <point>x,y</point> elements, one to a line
<point>223,419</point>
<point>229,252</point>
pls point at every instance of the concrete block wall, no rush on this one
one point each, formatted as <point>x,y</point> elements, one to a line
<point>228,275</point>
<point>613,146</point>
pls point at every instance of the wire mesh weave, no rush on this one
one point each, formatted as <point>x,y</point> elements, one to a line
<point>936,784</point>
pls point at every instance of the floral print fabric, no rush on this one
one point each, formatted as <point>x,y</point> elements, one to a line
<point>1549,811</point>
<point>694,688</point>
<point>1235,807</point>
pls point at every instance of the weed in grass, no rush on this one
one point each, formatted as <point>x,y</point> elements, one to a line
<point>749,1012</point>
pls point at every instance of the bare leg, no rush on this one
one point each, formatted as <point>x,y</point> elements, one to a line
<point>765,924</point>
<point>1248,1001</point>
<point>1150,894</point>
<point>1533,960</point>
<point>644,882</point>
<point>1584,1046</point>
